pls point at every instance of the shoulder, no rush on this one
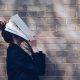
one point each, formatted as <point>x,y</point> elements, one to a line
<point>14,49</point>
<point>15,52</point>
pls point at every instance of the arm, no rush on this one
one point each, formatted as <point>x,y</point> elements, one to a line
<point>39,60</point>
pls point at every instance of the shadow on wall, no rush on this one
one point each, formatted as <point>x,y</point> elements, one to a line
<point>53,70</point>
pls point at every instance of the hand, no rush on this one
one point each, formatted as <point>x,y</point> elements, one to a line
<point>26,46</point>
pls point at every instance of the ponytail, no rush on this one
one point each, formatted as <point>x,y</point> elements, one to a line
<point>2,25</point>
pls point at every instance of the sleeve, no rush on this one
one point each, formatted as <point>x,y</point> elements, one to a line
<point>39,60</point>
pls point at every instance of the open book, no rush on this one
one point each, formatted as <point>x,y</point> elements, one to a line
<point>17,26</point>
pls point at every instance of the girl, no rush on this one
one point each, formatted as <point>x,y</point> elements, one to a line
<point>22,64</point>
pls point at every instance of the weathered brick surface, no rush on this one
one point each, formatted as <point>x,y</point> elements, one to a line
<point>56,23</point>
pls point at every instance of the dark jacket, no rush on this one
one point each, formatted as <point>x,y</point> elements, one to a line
<point>39,61</point>
<point>20,65</point>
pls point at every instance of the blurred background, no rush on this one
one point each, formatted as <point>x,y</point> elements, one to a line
<point>57,27</point>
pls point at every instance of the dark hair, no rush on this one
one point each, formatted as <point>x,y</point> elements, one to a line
<point>2,25</point>
<point>18,37</point>
<point>7,36</point>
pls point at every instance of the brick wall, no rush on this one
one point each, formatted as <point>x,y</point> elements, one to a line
<point>56,23</point>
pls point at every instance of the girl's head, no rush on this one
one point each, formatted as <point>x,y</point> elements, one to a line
<point>6,35</point>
